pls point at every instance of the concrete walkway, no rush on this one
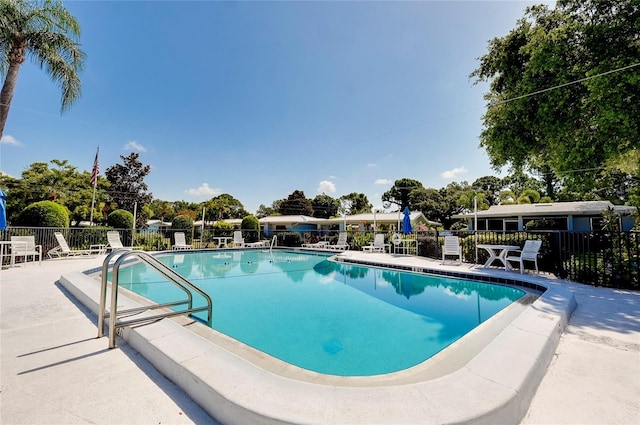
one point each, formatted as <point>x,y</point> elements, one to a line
<point>55,371</point>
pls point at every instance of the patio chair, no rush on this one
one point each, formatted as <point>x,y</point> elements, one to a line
<point>63,250</point>
<point>238,240</point>
<point>452,247</point>
<point>341,244</point>
<point>113,238</point>
<point>529,252</point>
<point>181,241</point>
<point>25,246</point>
<point>378,244</point>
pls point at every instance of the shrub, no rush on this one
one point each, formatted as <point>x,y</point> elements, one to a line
<point>182,222</point>
<point>44,214</point>
<point>120,219</point>
<point>289,239</point>
<point>250,222</point>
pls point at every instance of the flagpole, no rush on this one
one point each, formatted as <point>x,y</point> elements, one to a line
<point>94,179</point>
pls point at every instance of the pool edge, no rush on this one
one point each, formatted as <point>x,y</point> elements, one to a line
<point>497,385</point>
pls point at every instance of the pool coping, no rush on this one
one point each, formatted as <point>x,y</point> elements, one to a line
<point>496,386</point>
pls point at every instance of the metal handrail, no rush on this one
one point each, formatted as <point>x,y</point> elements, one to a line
<point>274,241</point>
<point>161,268</point>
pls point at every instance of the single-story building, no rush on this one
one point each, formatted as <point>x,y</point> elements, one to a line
<point>370,221</point>
<point>583,216</point>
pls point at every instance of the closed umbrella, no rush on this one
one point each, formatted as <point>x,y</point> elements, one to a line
<point>406,221</point>
<point>3,210</point>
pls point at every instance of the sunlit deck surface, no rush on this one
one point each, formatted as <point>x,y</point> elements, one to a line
<point>519,368</point>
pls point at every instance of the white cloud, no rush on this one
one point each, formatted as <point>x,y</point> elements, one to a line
<point>452,173</point>
<point>9,140</point>
<point>134,146</point>
<point>326,186</point>
<point>383,181</point>
<point>204,190</point>
<point>372,164</point>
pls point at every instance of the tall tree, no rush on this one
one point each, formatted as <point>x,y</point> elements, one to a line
<point>47,33</point>
<point>564,89</point>
<point>296,204</point>
<point>399,194</point>
<point>324,206</point>
<point>223,207</point>
<point>128,189</point>
<point>355,203</point>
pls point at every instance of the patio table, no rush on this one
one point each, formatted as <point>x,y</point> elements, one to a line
<point>498,252</point>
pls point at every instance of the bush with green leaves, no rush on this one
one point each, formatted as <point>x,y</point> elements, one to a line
<point>250,223</point>
<point>182,222</point>
<point>120,219</point>
<point>289,239</point>
<point>44,214</point>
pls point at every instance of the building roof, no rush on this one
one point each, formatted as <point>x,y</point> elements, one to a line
<point>291,219</point>
<point>549,209</point>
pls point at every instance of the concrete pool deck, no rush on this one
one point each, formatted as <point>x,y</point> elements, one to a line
<point>54,370</point>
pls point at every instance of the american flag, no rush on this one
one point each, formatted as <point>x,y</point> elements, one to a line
<point>96,169</point>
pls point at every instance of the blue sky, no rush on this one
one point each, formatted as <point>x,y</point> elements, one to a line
<point>258,99</point>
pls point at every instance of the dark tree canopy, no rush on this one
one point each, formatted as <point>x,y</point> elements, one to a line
<point>399,194</point>
<point>128,187</point>
<point>577,127</point>
<point>296,204</point>
<point>324,206</point>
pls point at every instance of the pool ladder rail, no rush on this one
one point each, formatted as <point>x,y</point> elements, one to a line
<point>171,275</point>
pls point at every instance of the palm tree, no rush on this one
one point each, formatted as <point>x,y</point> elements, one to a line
<point>46,32</point>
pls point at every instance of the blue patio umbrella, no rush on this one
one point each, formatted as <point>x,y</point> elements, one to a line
<point>406,222</point>
<point>3,210</point>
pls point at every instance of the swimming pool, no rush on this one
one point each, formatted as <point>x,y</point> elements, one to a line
<point>327,317</point>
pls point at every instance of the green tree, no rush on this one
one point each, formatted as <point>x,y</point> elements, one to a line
<point>47,33</point>
<point>223,207</point>
<point>399,194</point>
<point>128,189</point>
<point>354,203</point>
<point>490,186</point>
<point>265,211</point>
<point>324,206</point>
<point>296,204</point>
<point>545,112</point>
<point>430,202</point>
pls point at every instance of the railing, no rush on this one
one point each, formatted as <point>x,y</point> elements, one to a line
<point>596,258</point>
<point>169,274</point>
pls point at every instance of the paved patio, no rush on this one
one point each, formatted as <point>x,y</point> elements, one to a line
<point>54,370</point>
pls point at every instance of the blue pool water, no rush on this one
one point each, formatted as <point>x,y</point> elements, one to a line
<point>327,317</point>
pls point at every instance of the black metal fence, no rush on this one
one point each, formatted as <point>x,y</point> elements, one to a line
<point>595,258</point>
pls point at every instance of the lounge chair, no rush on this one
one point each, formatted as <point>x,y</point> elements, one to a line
<point>452,247</point>
<point>180,241</point>
<point>378,244</point>
<point>113,238</point>
<point>316,245</point>
<point>238,240</point>
<point>63,250</point>
<point>529,252</point>
<point>258,244</point>
<point>341,244</point>
<point>25,246</point>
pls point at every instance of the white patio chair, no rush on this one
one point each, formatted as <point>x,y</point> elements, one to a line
<point>63,250</point>
<point>113,239</point>
<point>529,252</point>
<point>238,240</point>
<point>452,247</point>
<point>341,244</point>
<point>378,244</point>
<point>25,246</point>
<point>181,241</point>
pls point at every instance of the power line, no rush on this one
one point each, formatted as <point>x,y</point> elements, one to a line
<point>564,85</point>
